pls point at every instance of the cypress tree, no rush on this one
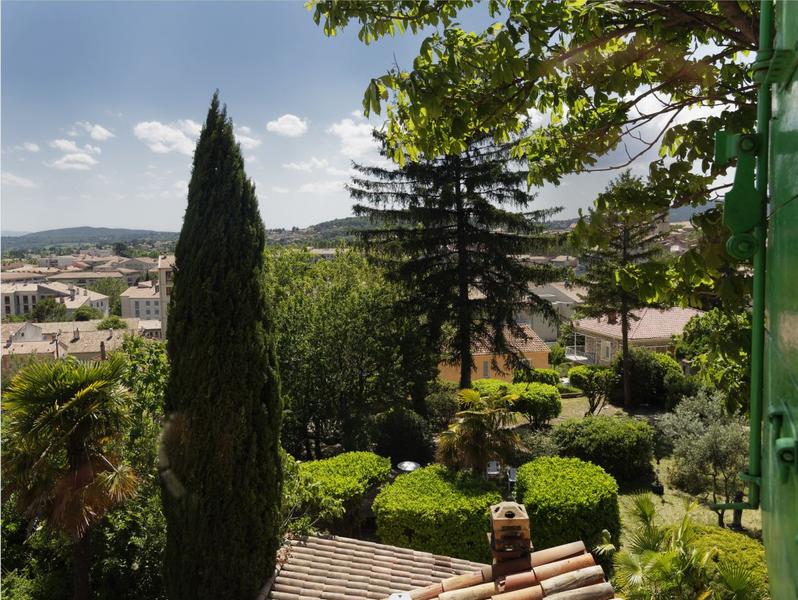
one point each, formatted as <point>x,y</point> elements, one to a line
<point>622,231</point>
<point>220,467</point>
<point>454,230</point>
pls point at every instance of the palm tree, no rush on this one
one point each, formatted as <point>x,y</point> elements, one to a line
<point>481,432</point>
<point>61,453</point>
<point>663,562</point>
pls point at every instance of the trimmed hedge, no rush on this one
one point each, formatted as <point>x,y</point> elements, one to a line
<point>346,478</point>
<point>567,500</point>
<point>549,376</point>
<point>489,387</point>
<point>402,434</point>
<point>656,379</point>
<point>538,402</point>
<point>622,446</point>
<point>579,376</point>
<point>734,547</point>
<point>439,511</point>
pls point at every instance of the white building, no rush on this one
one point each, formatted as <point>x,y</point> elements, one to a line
<point>20,298</point>
<point>564,301</point>
<point>142,301</point>
<point>165,283</point>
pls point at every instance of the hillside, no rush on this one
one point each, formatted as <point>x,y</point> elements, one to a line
<point>77,236</point>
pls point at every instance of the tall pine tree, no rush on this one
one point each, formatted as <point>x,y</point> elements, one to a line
<point>454,229</point>
<point>219,458</point>
<point>621,232</point>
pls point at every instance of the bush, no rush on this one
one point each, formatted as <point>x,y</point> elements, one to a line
<point>533,444</point>
<point>402,434</point>
<point>596,384</point>
<point>549,376</point>
<point>622,446</point>
<point>734,547</point>
<point>538,402</point>
<point>568,500</point>
<point>656,379</point>
<point>112,322</point>
<point>438,511</point>
<point>345,480</point>
<point>490,387</point>
<point>442,405</point>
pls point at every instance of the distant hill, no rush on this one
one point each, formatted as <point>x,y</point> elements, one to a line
<point>76,236</point>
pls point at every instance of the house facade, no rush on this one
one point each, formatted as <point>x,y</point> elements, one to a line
<point>21,298</point>
<point>165,283</point>
<point>564,301</point>
<point>597,341</point>
<point>141,301</point>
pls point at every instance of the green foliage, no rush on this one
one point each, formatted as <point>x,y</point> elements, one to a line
<point>682,561</point>
<point>622,446</point>
<point>441,404</point>
<point>401,434</point>
<point>549,376</point>
<point>221,469</point>
<point>568,500</point>
<point>438,511</point>
<point>710,448</point>
<point>87,313</point>
<point>655,378</point>
<point>457,222</point>
<point>112,322</point>
<point>491,387</point>
<point>48,310</point>
<point>735,548</point>
<point>480,434</point>
<point>596,383</point>
<point>338,487</point>
<point>717,345</point>
<point>533,443</point>
<point>538,402</point>
<point>333,383</point>
<point>113,288</point>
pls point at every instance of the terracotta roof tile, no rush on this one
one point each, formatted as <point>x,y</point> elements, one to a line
<point>529,342</point>
<point>651,323</point>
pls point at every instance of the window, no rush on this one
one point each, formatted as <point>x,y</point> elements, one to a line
<point>606,346</point>
<point>24,299</point>
<point>8,310</point>
<point>485,368</point>
<point>147,302</point>
<point>8,299</point>
<point>136,305</point>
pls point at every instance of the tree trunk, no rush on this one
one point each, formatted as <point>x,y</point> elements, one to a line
<point>317,439</point>
<point>721,520</point>
<point>626,359</point>
<point>463,335</point>
<point>81,563</point>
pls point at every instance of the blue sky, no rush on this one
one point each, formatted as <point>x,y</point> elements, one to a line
<point>101,104</point>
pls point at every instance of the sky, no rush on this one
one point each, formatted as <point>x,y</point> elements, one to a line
<point>102,104</point>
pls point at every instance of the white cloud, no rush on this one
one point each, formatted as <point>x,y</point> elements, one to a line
<point>340,172</point>
<point>16,181</point>
<point>30,147</point>
<point>322,187</point>
<point>356,138</point>
<point>97,132</point>
<point>78,162</point>
<point>163,138</point>
<point>280,190</point>
<point>180,185</point>
<point>245,139</point>
<point>251,159</point>
<point>306,166</point>
<point>71,146</point>
<point>288,125</point>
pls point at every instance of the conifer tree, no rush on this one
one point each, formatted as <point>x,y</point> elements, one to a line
<point>219,459</point>
<point>620,233</point>
<point>454,230</point>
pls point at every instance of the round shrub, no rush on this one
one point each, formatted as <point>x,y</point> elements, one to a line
<point>567,500</point>
<point>402,434</point>
<point>549,376</point>
<point>345,480</point>
<point>439,511</point>
<point>734,547</point>
<point>656,378</point>
<point>490,387</point>
<point>533,444</point>
<point>579,376</point>
<point>538,402</point>
<point>622,446</point>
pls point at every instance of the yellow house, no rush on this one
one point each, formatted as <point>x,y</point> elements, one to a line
<point>534,349</point>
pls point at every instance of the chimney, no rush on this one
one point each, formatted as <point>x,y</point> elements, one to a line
<point>71,293</point>
<point>76,334</point>
<point>102,350</point>
<point>612,317</point>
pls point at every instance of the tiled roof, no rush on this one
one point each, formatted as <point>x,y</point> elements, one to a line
<point>141,291</point>
<point>89,341</point>
<point>166,261</point>
<point>43,347</point>
<point>86,275</point>
<point>529,342</point>
<point>648,324</point>
<point>337,568</point>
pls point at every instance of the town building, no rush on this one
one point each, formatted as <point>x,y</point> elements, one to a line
<point>165,283</point>
<point>20,298</point>
<point>564,300</point>
<point>58,262</point>
<point>598,340</point>
<point>142,300</point>
<point>534,350</point>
